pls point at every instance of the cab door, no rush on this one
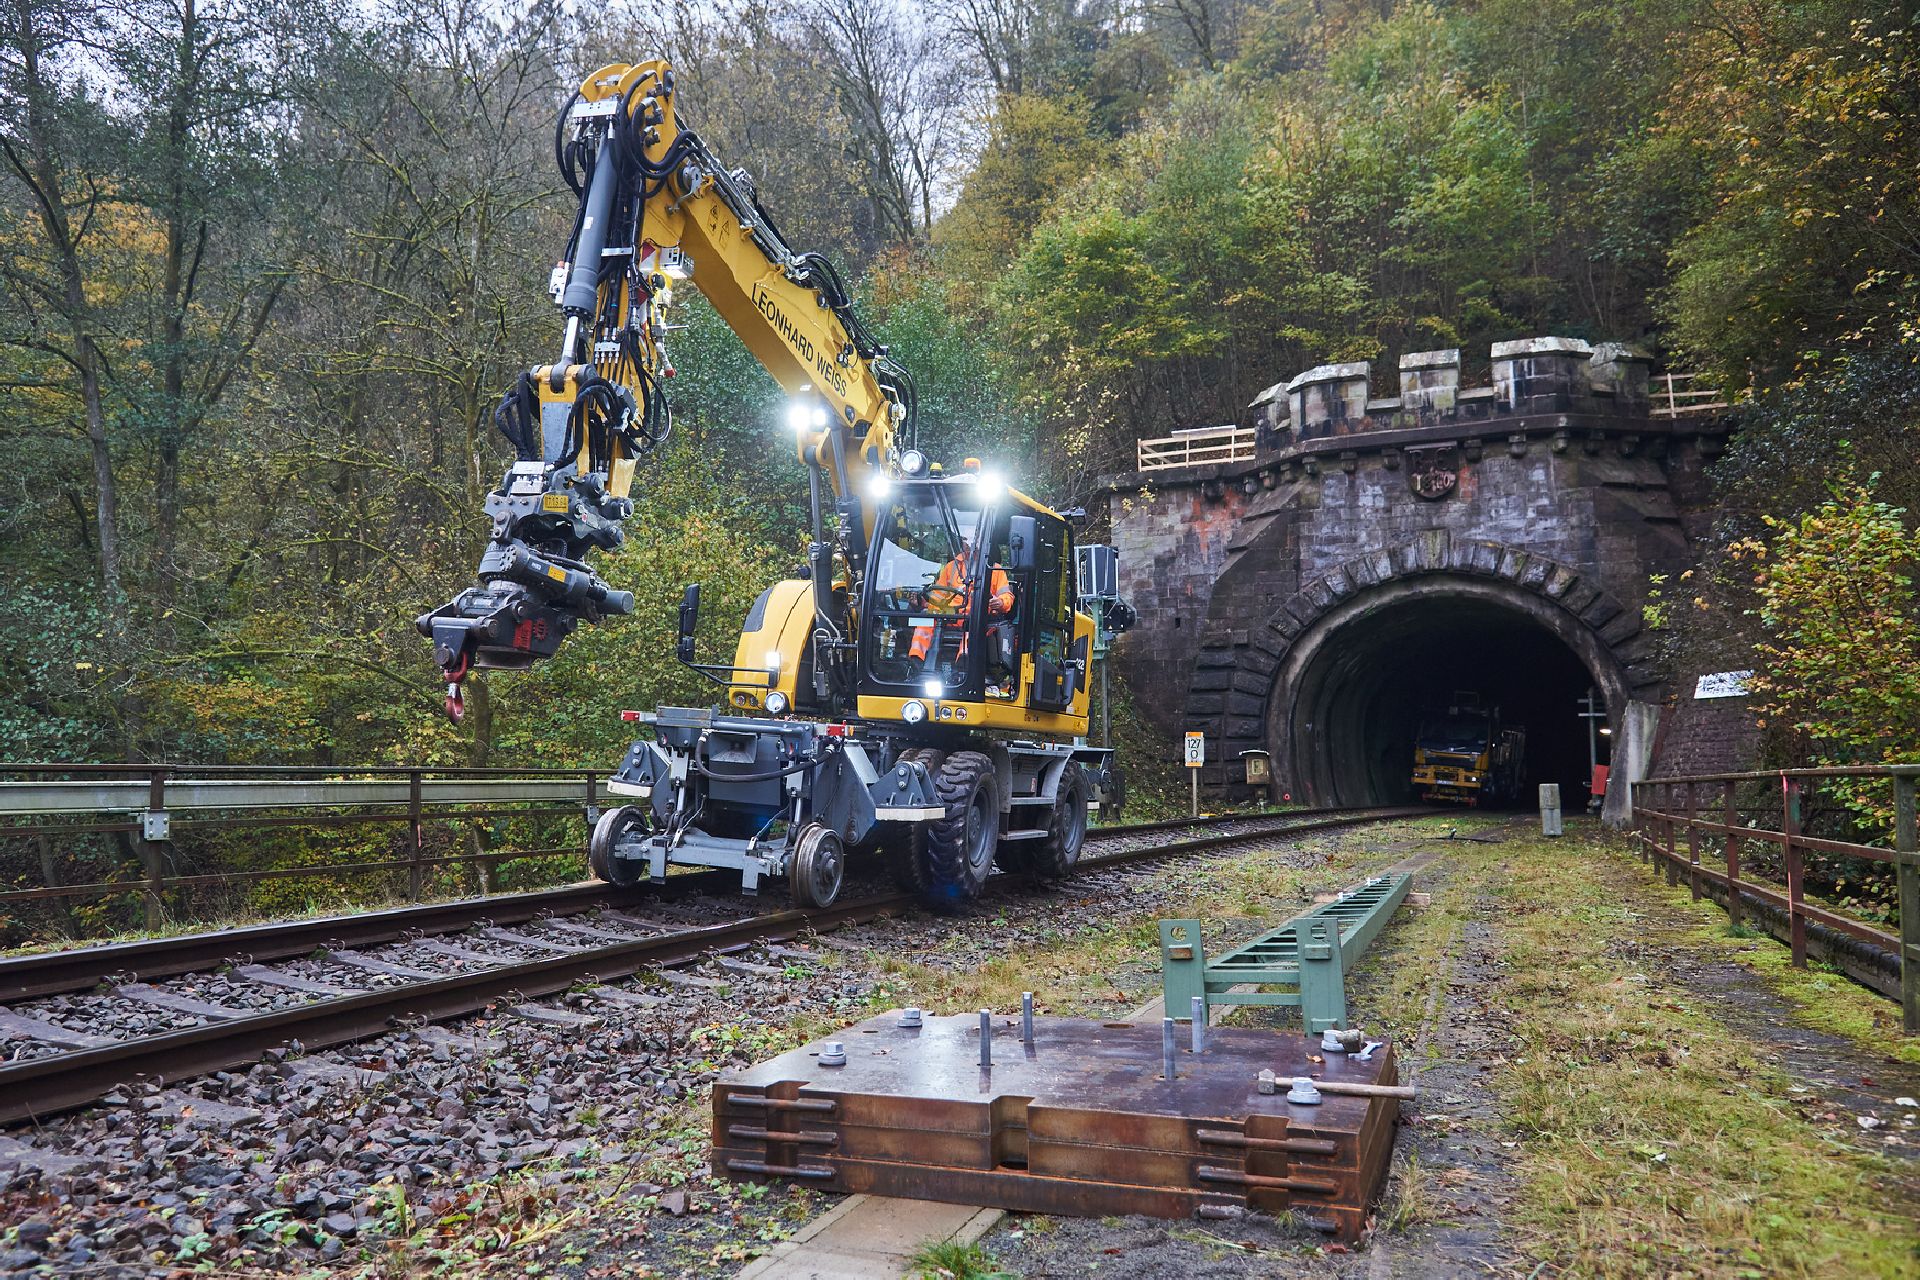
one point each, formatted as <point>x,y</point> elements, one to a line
<point>1048,631</point>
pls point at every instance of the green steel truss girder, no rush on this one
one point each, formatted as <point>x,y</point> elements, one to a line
<point>1310,953</point>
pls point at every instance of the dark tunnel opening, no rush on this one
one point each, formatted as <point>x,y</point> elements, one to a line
<point>1362,696</point>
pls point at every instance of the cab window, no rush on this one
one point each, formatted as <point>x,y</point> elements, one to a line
<point>926,578</point>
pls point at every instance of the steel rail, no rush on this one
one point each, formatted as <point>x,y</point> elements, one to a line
<point>42,1086</point>
<point>79,968</point>
<point>1276,815</point>
<point>1201,844</point>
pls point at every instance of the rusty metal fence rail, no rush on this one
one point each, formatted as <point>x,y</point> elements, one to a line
<point>1723,809</point>
<point>143,810</point>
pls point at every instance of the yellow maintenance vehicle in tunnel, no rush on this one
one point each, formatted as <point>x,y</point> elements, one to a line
<point>1463,754</point>
<point>921,689</point>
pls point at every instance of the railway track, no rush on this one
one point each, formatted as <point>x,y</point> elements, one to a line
<point>342,979</point>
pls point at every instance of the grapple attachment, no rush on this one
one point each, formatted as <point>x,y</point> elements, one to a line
<point>535,586</point>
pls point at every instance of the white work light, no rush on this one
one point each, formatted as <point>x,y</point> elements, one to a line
<point>913,462</point>
<point>675,264</point>
<point>931,688</point>
<point>879,489</point>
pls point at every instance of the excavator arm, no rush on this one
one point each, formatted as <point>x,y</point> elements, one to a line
<point>657,207</point>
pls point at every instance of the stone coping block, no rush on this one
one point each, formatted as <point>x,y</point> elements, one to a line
<point>1523,347</point>
<point>1450,357</point>
<point>1331,373</point>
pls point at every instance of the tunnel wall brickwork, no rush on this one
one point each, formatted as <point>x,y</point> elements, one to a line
<point>1711,735</point>
<point>1556,480</point>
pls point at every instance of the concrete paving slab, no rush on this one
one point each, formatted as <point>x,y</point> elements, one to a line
<point>869,1238</point>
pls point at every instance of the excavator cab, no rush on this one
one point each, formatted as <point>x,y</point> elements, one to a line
<point>932,570</point>
<point>968,604</point>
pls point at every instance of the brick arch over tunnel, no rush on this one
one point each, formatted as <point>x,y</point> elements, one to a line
<point>1326,683</point>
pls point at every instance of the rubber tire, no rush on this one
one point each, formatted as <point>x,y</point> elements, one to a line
<point>819,867</point>
<point>1055,857</point>
<point>906,844</point>
<point>969,787</point>
<point>613,824</point>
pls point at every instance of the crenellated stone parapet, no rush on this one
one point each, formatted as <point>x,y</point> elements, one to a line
<point>1531,377</point>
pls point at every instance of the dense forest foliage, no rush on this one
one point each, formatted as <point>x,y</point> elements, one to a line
<point>268,266</point>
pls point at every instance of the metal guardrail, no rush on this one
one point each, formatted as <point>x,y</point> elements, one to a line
<point>1310,952</point>
<point>201,795</point>
<point>1191,448</point>
<point>1710,805</point>
<point>148,806</point>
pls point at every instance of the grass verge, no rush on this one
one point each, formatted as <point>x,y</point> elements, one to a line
<point>1654,1138</point>
<point>1090,967</point>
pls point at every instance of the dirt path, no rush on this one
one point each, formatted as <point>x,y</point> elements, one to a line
<point>1849,1089</point>
<point>1454,1180</point>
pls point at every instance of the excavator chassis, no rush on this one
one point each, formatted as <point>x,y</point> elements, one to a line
<point>784,800</point>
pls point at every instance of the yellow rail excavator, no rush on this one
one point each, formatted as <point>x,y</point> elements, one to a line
<point>921,690</point>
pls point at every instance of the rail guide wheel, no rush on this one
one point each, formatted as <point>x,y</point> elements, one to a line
<point>614,826</point>
<point>819,867</point>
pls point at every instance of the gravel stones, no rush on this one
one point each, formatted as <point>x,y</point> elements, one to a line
<point>309,1142</point>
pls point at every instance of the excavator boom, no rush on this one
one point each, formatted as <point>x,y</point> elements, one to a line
<point>656,207</point>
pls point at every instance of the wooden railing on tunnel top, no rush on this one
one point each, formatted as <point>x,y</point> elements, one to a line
<point>1191,448</point>
<point>1721,807</point>
<point>1675,395</point>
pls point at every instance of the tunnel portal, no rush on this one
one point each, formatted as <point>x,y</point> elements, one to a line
<point>1309,581</point>
<point>1357,703</point>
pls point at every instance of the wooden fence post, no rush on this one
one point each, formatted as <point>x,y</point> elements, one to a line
<point>1672,861</point>
<point>1906,848</point>
<point>592,813</point>
<point>1654,847</point>
<point>1730,818</point>
<point>415,872</point>
<point>152,862</point>
<point>1789,843</point>
<point>50,874</point>
<point>1693,839</point>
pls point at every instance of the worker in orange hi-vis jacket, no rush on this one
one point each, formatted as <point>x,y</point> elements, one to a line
<point>947,595</point>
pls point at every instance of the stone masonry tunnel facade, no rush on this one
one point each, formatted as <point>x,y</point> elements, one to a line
<point>1367,558</point>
